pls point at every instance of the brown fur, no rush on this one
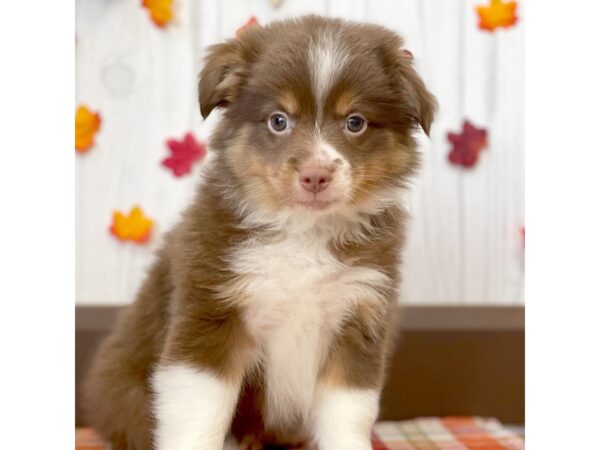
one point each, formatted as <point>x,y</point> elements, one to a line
<point>179,314</point>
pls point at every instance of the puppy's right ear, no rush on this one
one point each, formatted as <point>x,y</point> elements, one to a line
<point>222,77</point>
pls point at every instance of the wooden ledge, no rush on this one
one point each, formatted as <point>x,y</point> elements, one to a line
<point>415,318</point>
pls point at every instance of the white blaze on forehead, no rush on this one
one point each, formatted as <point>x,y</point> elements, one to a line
<point>327,58</point>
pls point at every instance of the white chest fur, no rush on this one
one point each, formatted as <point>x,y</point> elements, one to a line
<point>296,296</point>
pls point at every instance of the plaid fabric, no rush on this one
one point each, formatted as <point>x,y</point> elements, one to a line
<point>428,433</point>
<point>448,433</point>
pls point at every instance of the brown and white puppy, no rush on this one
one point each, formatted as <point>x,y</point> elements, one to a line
<point>270,310</point>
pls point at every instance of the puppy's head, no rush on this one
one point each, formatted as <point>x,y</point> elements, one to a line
<point>318,113</point>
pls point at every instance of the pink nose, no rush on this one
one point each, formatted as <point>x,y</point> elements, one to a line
<point>314,179</point>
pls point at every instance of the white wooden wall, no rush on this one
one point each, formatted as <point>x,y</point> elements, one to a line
<point>464,245</point>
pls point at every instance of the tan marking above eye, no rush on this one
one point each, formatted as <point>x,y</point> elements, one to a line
<point>288,103</point>
<point>344,104</point>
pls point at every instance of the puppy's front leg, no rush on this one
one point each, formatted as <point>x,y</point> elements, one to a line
<point>197,383</point>
<point>347,397</point>
<point>193,407</point>
<point>345,416</point>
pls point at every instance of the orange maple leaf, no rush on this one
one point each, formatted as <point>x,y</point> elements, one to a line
<point>87,124</point>
<point>133,227</point>
<point>161,11</point>
<point>497,14</point>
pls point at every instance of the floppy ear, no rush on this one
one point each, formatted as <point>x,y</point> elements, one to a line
<point>222,77</point>
<point>421,103</point>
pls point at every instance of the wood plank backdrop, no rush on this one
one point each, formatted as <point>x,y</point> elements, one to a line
<point>465,245</point>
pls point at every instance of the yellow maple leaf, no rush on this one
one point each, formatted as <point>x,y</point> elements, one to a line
<point>133,227</point>
<point>497,14</point>
<point>161,11</point>
<point>87,124</point>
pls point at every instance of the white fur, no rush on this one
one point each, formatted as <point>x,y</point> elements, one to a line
<point>327,58</point>
<point>193,408</point>
<point>297,294</point>
<point>328,155</point>
<point>343,222</point>
<point>344,418</point>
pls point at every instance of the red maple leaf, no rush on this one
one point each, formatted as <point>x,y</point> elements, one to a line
<point>467,145</point>
<point>184,154</point>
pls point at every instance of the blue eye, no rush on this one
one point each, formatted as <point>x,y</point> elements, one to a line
<point>278,122</point>
<point>355,123</point>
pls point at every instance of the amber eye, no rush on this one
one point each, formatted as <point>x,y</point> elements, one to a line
<point>355,123</point>
<point>278,122</point>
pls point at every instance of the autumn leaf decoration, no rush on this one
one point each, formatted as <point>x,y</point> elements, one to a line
<point>467,145</point>
<point>87,124</point>
<point>161,11</point>
<point>184,154</point>
<point>133,227</point>
<point>497,14</point>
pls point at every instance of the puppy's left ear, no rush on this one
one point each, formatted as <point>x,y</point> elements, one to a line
<point>222,77</point>
<point>422,101</point>
<point>421,104</point>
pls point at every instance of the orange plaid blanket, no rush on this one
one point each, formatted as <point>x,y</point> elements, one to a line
<point>428,433</point>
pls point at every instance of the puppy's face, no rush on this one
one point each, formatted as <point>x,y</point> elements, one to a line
<point>319,113</point>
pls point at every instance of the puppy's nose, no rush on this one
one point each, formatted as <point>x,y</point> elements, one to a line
<point>314,179</point>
